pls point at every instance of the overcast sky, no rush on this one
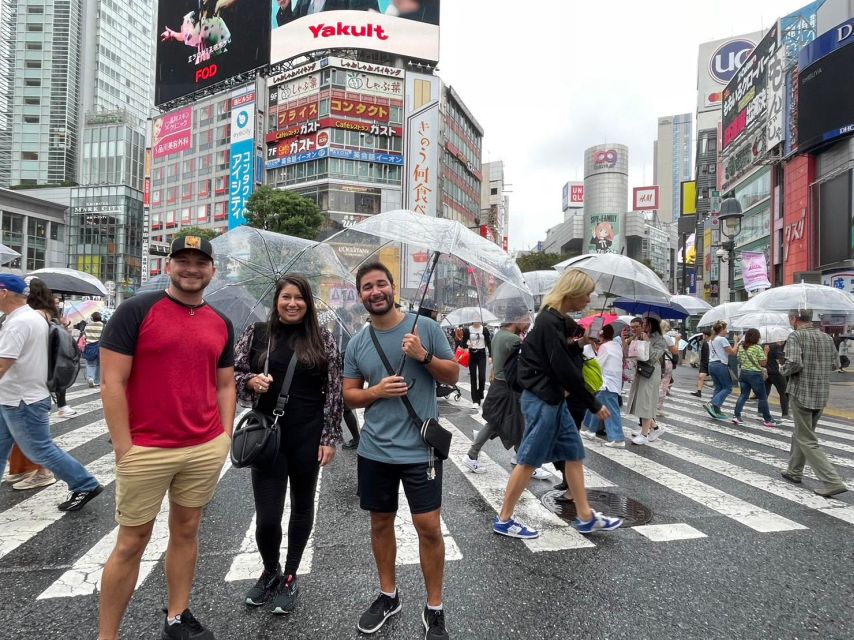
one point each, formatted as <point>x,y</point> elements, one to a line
<point>547,79</point>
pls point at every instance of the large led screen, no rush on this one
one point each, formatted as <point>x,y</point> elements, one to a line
<point>202,42</point>
<point>403,27</point>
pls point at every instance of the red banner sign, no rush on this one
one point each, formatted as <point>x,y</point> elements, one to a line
<point>289,117</point>
<point>303,145</point>
<point>358,109</point>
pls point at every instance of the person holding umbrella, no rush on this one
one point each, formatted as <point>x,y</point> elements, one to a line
<point>643,397</point>
<point>549,368</point>
<point>720,351</point>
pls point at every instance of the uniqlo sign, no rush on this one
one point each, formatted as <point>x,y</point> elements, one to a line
<point>576,193</point>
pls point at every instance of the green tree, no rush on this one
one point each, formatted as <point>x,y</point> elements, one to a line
<point>539,261</point>
<point>283,212</point>
<point>207,234</point>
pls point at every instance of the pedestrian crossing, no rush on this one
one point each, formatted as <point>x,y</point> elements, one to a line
<point>725,479</point>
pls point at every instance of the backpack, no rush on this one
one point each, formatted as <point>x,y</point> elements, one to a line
<point>63,358</point>
<point>511,370</point>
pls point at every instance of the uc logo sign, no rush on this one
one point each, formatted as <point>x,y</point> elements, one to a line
<point>605,159</point>
<point>728,58</point>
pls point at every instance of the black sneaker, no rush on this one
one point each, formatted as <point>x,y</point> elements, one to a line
<point>434,624</point>
<point>697,394</point>
<point>264,588</point>
<point>188,629</point>
<point>560,486</point>
<point>77,499</point>
<point>380,611</point>
<point>285,599</point>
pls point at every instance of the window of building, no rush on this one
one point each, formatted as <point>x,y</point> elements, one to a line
<point>35,8</point>
<point>187,191</point>
<point>171,195</point>
<point>155,221</point>
<point>35,26</point>
<point>205,140</point>
<point>32,100</point>
<point>32,82</point>
<point>222,158</point>
<point>31,119</point>
<point>204,188</point>
<point>493,191</point>
<point>222,133</point>
<point>221,185</point>
<point>170,219</point>
<point>220,210</point>
<point>223,110</point>
<point>189,167</point>
<point>156,196</point>
<point>29,155</point>
<point>202,212</point>
<point>205,114</point>
<point>34,46</point>
<point>57,231</point>
<point>185,216</point>
<point>33,64</point>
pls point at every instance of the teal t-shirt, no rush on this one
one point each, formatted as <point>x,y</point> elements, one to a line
<point>388,434</point>
<point>503,345</point>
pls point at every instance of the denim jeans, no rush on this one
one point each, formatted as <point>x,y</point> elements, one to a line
<point>93,370</point>
<point>28,426</point>
<point>614,424</point>
<point>723,383</point>
<point>752,381</point>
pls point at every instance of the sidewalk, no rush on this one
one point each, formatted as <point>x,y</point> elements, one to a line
<point>840,405</point>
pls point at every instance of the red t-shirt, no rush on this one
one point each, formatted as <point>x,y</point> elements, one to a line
<point>172,390</point>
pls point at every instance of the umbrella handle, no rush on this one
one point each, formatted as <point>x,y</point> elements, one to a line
<point>426,286</point>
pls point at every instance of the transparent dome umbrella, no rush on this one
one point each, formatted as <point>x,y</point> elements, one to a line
<point>7,254</point>
<point>774,333</point>
<point>692,304</point>
<point>726,312</point>
<point>814,297</point>
<point>436,261</point>
<point>540,282</point>
<point>468,315</point>
<point>756,319</point>
<point>619,276</point>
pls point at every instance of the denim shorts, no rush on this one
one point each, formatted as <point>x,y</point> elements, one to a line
<point>550,433</point>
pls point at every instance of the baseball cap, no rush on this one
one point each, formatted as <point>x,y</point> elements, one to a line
<point>191,242</point>
<point>13,283</point>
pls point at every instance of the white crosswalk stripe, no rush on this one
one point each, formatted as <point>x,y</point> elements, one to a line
<point>746,461</point>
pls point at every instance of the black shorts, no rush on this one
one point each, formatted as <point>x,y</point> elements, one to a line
<point>379,485</point>
<point>704,367</point>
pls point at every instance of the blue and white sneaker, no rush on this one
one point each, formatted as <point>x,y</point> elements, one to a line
<point>597,523</point>
<point>513,529</point>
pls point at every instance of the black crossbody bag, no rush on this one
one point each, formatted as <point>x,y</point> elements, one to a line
<point>256,438</point>
<point>434,435</point>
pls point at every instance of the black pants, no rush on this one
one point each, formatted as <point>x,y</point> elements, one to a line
<point>778,381</point>
<point>298,463</point>
<point>60,399</point>
<point>477,373</point>
<point>352,423</point>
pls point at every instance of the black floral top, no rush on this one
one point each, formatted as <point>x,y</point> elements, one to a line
<point>333,407</point>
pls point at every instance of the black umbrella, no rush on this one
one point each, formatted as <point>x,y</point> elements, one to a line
<point>70,281</point>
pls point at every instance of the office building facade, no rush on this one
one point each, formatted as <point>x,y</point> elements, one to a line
<point>672,162</point>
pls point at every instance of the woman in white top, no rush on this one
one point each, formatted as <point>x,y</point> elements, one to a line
<point>610,357</point>
<point>719,352</point>
<point>477,342</point>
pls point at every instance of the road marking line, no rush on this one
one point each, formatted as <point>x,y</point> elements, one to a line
<point>737,509</point>
<point>407,537</point>
<point>81,409</point>
<point>669,532</point>
<point>555,533</point>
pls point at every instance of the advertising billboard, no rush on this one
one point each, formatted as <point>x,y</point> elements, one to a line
<point>605,233</point>
<point>202,42</point>
<point>717,63</point>
<point>826,99</point>
<point>421,187</point>
<point>241,170</point>
<point>404,27</point>
<point>573,195</point>
<point>606,158</point>
<point>827,43</point>
<point>645,198</point>
<point>688,198</point>
<point>745,99</point>
<point>172,133</point>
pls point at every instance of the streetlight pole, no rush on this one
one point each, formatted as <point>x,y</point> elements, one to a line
<point>729,219</point>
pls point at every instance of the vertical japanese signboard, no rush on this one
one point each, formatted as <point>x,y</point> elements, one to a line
<point>241,166</point>
<point>422,144</point>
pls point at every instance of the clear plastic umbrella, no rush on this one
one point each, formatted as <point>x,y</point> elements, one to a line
<point>468,315</point>
<point>618,275</point>
<point>726,312</point>
<point>756,319</point>
<point>7,254</point>
<point>693,305</point>
<point>439,260</point>
<point>814,297</point>
<point>540,282</point>
<point>774,333</point>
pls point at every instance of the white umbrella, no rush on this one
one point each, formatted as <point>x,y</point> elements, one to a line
<point>756,319</point>
<point>467,315</point>
<point>726,312</point>
<point>774,333</point>
<point>618,275</point>
<point>540,282</point>
<point>693,305</point>
<point>813,297</point>
<point>7,254</point>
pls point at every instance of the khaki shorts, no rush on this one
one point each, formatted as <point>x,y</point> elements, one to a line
<point>145,474</point>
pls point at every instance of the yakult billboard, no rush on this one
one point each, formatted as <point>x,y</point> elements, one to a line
<point>716,65</point>
<point>404,27</point>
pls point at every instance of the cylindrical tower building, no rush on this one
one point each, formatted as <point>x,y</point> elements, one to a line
<point>606,194</point>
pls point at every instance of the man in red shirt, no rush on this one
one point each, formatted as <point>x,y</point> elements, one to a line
<point>167,383</point>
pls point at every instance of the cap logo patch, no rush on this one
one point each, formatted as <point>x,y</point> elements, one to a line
<point>192,242</point>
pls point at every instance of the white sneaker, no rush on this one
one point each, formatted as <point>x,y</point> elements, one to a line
<point>588,435</point>
<point>90,382</point>
<point>655,434</point>
<point>40,478</point>
<point>640,439</point>
<point>541,474</point>
<point>616,444</point>
<point>513,459</point>
<point>66,412</point>
<point>474,433</point>
<point>473,465</point>
<point>12,478</point>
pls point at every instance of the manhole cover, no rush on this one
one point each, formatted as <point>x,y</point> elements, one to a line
<point>611,504</point>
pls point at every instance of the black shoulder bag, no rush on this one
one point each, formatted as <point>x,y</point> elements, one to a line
<point>434,435</point>
<point>256,438</point>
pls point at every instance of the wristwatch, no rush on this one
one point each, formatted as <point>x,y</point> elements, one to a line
<point>428,358</point>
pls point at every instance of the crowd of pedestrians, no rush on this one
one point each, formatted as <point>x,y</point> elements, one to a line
<point>554,385</point>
